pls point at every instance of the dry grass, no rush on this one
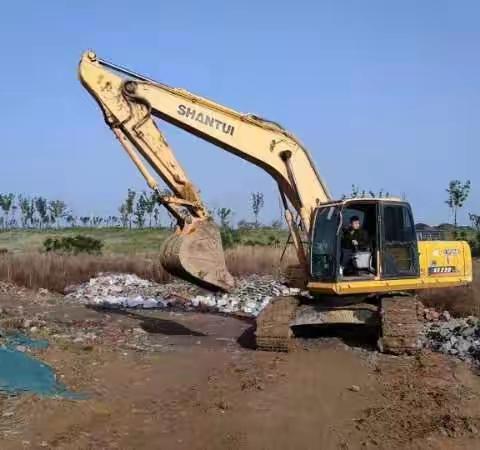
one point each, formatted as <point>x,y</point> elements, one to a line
<point>55,272</point>
<point>261,260</point>
<point>461,301</point>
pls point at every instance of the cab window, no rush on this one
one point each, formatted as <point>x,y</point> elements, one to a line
<point>324,244</point>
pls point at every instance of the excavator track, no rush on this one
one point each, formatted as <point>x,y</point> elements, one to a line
<point>273,325</point>
<point>400,325</point>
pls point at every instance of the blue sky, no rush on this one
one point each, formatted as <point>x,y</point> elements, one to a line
<point>384,94</point>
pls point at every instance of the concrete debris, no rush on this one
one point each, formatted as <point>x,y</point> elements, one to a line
<point>459,337</point>
<point>250,296</point>
<point>9,288</point>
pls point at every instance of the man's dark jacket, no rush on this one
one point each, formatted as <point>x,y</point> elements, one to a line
<point>350,235</point>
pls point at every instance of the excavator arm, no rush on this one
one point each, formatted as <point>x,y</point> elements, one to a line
<point>130,101</point>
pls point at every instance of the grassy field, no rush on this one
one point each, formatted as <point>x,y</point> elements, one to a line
<point>123,241</point>
<point>116,240</point>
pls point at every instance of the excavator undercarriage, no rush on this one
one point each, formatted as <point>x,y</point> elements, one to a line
<point>398,319</point>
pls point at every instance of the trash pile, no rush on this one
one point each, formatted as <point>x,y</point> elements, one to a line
<point>250,296</point>
<point>459,337</point>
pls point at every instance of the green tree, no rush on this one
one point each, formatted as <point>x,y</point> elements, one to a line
<point>57,209</point>
<point>6,204</point>
<point>27,210</point>
<point>97,221</point>
<point>357,192</point>
<point>226,233</point>
<point>457,195</point>
<point>41,206</point>
<point>156,216</point>
<point>71,220</point>
<point>84,220</point>
<point>150,205</point>
<point>475,243</point>
<point>123,215</point>
<point>224,216</point>
<point>140,210</point>
<point>257,203</point>
<point>129,205</point>
<point>475,221</point>
<point>111,221</point>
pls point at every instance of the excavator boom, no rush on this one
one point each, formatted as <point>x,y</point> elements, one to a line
<point>130,101</point>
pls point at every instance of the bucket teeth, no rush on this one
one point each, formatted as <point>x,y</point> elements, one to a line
<point>195,254</point>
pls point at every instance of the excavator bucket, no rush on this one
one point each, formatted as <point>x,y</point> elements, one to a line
<point>195,254</point>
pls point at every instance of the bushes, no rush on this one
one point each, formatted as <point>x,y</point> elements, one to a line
<point>475,245</point>
<point>230,237</point>
<point>74,245</point>
<point>265,237</point>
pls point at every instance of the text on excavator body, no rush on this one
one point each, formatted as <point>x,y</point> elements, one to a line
<point>201,117</point>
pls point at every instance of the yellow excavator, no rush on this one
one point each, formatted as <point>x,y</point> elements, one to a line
<point>373,285</point>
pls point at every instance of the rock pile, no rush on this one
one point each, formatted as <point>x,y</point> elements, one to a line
<point>454,336</point>
<point>250,296</point>
<point>9,288</point>
<point>121,290</point>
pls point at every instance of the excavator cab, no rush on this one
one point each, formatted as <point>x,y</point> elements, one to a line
<point>389,250</point>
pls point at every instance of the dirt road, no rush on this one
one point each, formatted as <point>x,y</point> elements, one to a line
<point>190,381</point>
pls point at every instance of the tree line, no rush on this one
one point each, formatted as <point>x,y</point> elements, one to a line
<point>21,211</point>
<point>137,210</point>
<point>142,210</point>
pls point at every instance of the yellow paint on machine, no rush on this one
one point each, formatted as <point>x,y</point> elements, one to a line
<point>432,254</point>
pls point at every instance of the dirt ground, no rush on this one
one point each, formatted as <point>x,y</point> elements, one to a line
<point>167,380</point>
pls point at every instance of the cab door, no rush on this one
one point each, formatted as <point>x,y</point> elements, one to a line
<point>398,241</point>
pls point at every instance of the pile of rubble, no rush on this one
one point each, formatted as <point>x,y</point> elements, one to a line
<point>459,337</point>
<point>250,296</point>
<point>7,288</point>
<point>121,290</point>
